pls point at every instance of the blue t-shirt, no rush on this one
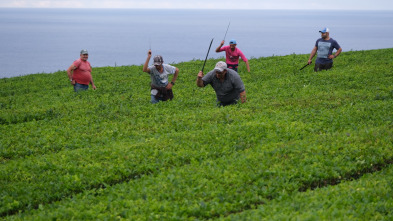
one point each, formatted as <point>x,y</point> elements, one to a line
<point>325,48</point>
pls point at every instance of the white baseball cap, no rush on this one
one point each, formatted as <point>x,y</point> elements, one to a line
<point>220,66</point>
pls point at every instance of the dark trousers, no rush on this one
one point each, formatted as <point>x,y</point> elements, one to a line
<point>320,67</point>
<point>233,66</point>
<point>80,87</point>
<point>223,104</point>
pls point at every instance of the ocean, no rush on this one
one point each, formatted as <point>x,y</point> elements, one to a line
<point>48,40</point>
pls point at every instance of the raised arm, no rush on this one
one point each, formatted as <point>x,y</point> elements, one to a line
<point>218,49</point>
<point>146,65</point>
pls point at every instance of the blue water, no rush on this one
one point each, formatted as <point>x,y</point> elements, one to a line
<point>48,40</point>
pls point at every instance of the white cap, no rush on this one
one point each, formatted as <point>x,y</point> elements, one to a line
<point>220,66</point>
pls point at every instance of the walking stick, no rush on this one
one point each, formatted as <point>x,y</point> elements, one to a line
<point>227,30</point>
<point>304,66</point>
<point>207,54</point>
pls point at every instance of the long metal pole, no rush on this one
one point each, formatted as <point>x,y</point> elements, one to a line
<point>207,54</point>
<point>227,30</point>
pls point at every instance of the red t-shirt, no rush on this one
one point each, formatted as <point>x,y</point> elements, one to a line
<point>232,57</point>
<point>82,73</point>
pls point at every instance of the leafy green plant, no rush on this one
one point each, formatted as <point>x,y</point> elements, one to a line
<point>110,154</point>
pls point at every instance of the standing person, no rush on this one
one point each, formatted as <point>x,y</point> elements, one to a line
<point>161,88</point>
<point>79,73</point>
<point>324,50</point>
<point>226,82</point>
<point>232,54</point>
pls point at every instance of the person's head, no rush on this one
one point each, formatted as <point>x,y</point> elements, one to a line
<point>232,44</point>
<point>84,55</point>
<point>158,61</point>
<point>324,33</point>
<point>220,69</point>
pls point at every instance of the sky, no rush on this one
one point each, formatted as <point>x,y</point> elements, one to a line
<point>205,4</point>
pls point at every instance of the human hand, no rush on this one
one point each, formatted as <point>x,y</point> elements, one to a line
<point>200,74</point>
<point>149,53</point>
<point>169,86</point>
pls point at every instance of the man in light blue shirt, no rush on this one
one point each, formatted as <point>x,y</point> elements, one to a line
<point>161,88</point>
<point>324,50</point>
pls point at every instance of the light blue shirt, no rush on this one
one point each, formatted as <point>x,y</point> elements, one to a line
<point>161,79</point>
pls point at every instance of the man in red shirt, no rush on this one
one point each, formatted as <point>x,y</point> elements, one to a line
<point>232,55</point>
<point>79,73</point>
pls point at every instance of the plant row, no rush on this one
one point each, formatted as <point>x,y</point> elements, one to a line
<point>218,184</point>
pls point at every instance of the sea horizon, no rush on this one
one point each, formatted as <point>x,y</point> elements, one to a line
<point>46,40</point>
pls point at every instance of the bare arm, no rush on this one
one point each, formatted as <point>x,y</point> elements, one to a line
<point>336,54</point>
<point>312,54</point>
<point>145,66</point>
<point>70,72</point>
<point>170,85</point>
<point>92,82</point>
<point>245,60</point>
<point>199,81</point>
<point>219,47</point>
<point>248,66</point>
<point>243,97</point>
<point>176,75</point>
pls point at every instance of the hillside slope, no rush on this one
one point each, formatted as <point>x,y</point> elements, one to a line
<point>109,154</point>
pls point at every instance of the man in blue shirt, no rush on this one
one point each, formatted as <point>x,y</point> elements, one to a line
<point>324,50</point>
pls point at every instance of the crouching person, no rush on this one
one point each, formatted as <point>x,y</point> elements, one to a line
<point>161,88</point>
<point>226,83</point>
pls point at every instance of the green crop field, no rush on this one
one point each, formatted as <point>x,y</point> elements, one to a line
<point>305,146</point>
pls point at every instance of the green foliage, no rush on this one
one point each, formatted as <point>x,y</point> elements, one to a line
<point>369,198</point>
<point>301,143</point>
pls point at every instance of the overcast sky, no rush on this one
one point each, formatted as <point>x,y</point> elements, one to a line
<point>204,4</point>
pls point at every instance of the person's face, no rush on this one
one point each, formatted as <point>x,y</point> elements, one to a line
<point>233,46</point>
<point>84,57</point>
<point>325,35</point>
<point>221,75</point>
<point>159,67</point>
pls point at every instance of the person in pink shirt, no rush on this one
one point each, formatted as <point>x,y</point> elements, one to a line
<point>79,73</point>
<point>232,55</point>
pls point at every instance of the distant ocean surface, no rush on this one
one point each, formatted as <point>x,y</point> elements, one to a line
<point>48,40</point>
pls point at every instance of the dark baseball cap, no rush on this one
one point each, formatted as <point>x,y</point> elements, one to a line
<point>158,60</point>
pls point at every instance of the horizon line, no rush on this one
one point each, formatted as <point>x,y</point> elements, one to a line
<point>251,9</point>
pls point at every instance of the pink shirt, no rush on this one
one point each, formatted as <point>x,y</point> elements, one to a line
<point>232,57</point>
<point>82,73</point>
